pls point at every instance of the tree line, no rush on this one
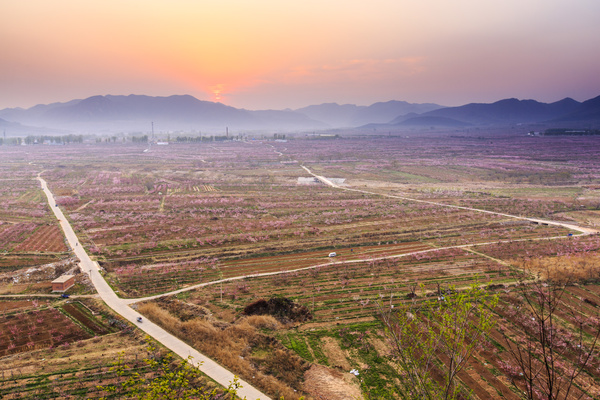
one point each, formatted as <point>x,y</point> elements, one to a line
<point>42,139</point>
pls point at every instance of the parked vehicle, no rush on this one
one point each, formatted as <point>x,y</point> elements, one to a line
<point>333,254</point>
<point>64,296</point>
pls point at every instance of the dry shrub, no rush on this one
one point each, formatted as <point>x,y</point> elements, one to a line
<point>241,330</point>
<point>570,268</point>
<point>159,316</point>
<point>274,387</point>
<point>263,322</point>
<point>278,373</point>
<point>231,347</point>
<point>182,310</point>
<point>281,364</point>
<point>202,330</point>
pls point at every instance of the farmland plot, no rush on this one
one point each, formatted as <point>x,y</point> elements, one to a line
<point>180,215</point>
<point>154,225</point>
<point>33,325</point>
<point>344,332</point>
<point>28,233</point>
<point>72,351</point>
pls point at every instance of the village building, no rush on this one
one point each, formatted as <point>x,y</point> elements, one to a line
<point>62,283</point>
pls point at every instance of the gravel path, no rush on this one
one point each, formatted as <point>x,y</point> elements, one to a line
<point>585,231</point>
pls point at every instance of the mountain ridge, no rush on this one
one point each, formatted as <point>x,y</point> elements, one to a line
<point>504,111</point>
<point>134,113</point>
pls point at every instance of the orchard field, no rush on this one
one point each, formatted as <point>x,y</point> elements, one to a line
<point>237,222</point>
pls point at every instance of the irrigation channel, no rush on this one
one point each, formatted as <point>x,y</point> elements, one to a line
<point>121,307</point>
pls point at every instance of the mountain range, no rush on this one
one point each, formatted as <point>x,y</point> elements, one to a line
<point>135,113</point>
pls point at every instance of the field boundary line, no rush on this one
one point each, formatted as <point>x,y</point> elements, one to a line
<point>333,263</point>
<point>489,257</point>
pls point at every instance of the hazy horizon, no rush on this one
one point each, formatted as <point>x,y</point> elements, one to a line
<point>273,55</point>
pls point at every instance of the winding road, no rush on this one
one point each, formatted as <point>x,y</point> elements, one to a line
<point>121,307</point>
<point>208,366</point>
<point>582,230</point>
<point>328,182</point>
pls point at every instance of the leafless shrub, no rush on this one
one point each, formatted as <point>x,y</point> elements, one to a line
<point>539,358</point>
<point>263,322</point>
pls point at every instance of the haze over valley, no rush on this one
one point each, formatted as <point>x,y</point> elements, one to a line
<point>135,113</point>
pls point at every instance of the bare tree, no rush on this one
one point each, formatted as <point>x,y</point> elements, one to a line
<point>550,356</point>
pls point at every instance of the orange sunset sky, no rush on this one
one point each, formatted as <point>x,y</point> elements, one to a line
<point>259,54</point>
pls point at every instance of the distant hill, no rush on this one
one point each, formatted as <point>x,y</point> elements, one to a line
<point>17,129</point>
<point>588,111</point>
<point>350,115</point>
<point>33,113</point>
<point>428,121</point>
<point>508,111</point>
<point>333,114</point>
<point>385,112</point>
<point>136,112</point>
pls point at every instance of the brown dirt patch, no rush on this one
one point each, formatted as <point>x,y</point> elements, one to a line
<point>284,309</point>
<point>335,354</point>
<point>382,348</point>
<point>14,305</point>
<point>328,384</point>
<point>328,324</point>
<point>42,287</point>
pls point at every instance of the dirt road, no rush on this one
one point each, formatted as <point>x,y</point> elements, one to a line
<point>584,231</point>
<point>329,263</point>
<point>208,366</point>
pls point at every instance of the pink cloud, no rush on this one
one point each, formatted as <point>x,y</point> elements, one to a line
<point>369,69</point>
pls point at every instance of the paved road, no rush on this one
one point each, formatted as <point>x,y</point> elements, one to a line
<point>208,366</point>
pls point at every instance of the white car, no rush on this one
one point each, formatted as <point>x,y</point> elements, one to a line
<point>332,254</point>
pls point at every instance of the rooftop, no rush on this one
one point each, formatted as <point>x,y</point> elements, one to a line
<point>63,278</point>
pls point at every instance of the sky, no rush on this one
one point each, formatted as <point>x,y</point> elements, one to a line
<point>274,54</point>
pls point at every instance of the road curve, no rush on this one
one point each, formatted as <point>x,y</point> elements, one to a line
<point>583,230</point>
<point>121,307</point>
<point>322,179</point>
<point>330,263</point>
